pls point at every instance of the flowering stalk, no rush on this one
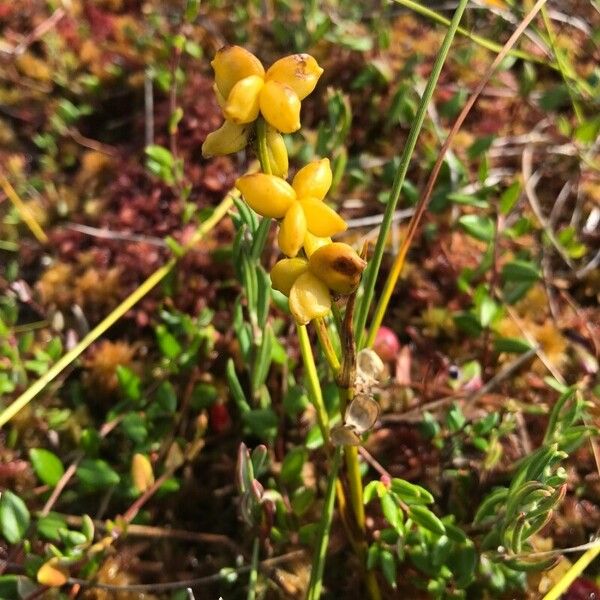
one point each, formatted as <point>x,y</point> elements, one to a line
<point>315,270</point>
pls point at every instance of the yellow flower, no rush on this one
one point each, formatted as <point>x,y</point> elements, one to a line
<point>244,89</point>
<point>312,243</point>
<point>228,139</point>
<point>300,205</point>
<point>309,297</point>
<point>307,283</point>
<point>338,266</point>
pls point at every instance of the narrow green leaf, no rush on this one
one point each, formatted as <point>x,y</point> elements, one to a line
<point>50,525</point>
<point>479,227</point>
<point>509,197</point>
<point>422,516</point>
<point>235,387</point>
<point>262,363</point>
<point>388,567</point>
<point>167,342</point>
<point>521,271</point>
<point>292,465</point>
<point>391,511</point>
<point>515,345</point>
<point>411,493</point>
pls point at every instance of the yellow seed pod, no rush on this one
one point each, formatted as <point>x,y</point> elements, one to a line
<point>232,63</point>
<point>292,230</point>
<point>309,299</point>
<point>278,155</point>
<point>298,71</point>
<point>280,106</point>
<point>141,472</point>
<point>338,266</point>
<point>242,103</point>
<point>321,220</point>
<point>229,138</point>
<point>313,180</point>
<point>267,195</point>
<point>285,273</point>
<point>312,243</point>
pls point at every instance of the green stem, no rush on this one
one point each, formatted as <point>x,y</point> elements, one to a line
<point>261,146</point>
<point>316,575</point>
<point>314,387</point>
<point>253,579</point>
<point>265,165</point>
<point>375,264</point>
<point>355,485</point>
<point>327,345</point>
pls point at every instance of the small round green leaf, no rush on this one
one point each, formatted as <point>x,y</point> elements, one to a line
<point>47,466</point>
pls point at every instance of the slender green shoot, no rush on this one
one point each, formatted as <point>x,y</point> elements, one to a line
<point>327,345</point>
<point>375,263</point>
<point>314,387</point>
<point>28,395</point>
<point>315,587</point>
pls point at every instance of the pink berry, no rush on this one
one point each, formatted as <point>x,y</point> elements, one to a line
<point>386,344</point>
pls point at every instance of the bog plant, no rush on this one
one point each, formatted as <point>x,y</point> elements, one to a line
<point>485,548</point>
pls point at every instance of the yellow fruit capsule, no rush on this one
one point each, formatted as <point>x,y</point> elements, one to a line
<point>267,195</point>
<point>242,103</point>
<point>312,243</point>
<point>321,220</point>
<point>278,155</point>
<point>313,180</point>
<point>232,63</point>
<point>280,106</point>
<point>309,299</point>
<point>285,273</point>
<point>338,266</point>
<point>141,472</point>
<point>292,230</point>
<point>229,138</point>
<point>298,71</point>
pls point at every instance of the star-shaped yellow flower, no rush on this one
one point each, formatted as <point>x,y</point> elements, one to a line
<point>300,205</point>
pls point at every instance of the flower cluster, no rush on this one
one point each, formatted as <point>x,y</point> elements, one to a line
<point>316,268</point>
<point>244,91</point>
